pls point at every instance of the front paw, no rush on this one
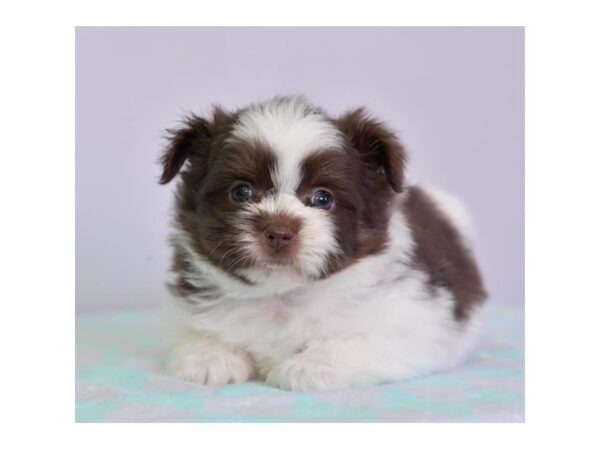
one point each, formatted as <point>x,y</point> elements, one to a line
<point>303,373</point>
<point>211,364</point>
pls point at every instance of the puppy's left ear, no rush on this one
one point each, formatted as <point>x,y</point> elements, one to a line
<point>378,147</point>
<point>184,142</point>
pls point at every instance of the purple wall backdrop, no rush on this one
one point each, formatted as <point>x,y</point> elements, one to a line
<point>455,95</point>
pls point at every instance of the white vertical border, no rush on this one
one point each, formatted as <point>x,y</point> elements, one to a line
<point>37,244</point>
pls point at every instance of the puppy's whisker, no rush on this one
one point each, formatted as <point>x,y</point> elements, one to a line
<point>219,243</point>
<point>225,255</point>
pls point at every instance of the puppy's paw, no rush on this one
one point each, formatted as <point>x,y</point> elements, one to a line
<point>303,373</point>
<point>211,364</point>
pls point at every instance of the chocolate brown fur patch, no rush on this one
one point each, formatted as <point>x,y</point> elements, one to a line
<point>441,253</point>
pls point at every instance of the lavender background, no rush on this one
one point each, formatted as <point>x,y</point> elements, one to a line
<point>455,96</point>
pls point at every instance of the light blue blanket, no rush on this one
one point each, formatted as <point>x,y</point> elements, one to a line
<point>119,379</point>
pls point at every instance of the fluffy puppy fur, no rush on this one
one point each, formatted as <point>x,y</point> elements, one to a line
<point>302,258</point>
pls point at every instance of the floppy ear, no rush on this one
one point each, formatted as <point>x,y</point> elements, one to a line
<point>378,147</point>
<point>192,138</point>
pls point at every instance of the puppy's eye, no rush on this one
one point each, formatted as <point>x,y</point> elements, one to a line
<point>241,192</point>
<point>321,199</point>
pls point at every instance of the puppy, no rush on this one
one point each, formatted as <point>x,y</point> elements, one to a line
<point>302,258</point>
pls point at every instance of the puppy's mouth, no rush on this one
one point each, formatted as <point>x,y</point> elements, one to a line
<point>279,264</point>
<point>269,262</point>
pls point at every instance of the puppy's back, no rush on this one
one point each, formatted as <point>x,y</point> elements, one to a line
<point>442,231</point>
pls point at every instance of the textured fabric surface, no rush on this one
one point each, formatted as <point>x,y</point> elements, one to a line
<point>120,379</point>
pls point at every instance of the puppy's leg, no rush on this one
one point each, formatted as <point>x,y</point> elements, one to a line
<point>329,364</point>
<point>206,360</point>
<point>350,361</point>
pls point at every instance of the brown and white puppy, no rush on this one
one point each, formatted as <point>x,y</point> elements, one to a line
<point>302,258</point>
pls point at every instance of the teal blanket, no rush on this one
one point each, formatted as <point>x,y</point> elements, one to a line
<point>119,378</point>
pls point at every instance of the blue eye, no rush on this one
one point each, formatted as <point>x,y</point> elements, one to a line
<point>241,193</point>
<point>321,199</point>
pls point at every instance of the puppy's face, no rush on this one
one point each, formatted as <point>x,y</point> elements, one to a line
<point>281,187</point>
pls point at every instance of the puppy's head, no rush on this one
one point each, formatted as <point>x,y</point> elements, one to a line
<point>282,187</point>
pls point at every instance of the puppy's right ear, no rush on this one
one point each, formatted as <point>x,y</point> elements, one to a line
<point>377,146</point>
<point>192,138</point>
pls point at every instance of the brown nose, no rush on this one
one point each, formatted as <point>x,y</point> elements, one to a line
<point>279,235</point>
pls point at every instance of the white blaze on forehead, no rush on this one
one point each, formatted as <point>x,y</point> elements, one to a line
<point>293,130</point>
